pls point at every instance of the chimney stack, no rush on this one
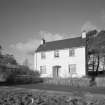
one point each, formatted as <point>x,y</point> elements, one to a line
<point>83,34</point>
<point>42,41</point>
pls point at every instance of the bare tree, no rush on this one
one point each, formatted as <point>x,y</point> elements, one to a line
<point>96,48</point>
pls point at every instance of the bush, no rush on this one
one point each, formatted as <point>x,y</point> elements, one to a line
<point>21,75</point>
<point>23,79</point>
<point>92,81</point>
<point>24,70</point>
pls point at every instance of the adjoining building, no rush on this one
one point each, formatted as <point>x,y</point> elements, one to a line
<point>63,58</point>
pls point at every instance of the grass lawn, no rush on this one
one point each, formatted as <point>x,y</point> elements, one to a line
<point>60,88</point>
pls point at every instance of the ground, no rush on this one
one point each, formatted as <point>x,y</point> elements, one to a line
<point>61,88</point>
<point>39,94</point>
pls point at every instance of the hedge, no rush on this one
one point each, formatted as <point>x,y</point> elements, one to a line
<point>24,79</point>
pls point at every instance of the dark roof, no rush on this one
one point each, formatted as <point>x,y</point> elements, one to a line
<point>61,44</point>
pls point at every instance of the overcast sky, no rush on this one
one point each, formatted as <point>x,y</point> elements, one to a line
<point>24,22</point>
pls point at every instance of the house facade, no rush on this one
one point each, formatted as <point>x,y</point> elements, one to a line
<point>61,59</point>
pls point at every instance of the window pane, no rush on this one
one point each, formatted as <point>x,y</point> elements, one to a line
<point>72,68</point>
<point>42,69</point>
<point>56,53</point>
<point>71,52</point>
<point>43,56</point>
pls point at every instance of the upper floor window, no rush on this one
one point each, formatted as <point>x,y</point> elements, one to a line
<point>42,69</point>
<point>56,53</point>
<point>72,68</point>
<point>43,55</point>
<point>71,52</point>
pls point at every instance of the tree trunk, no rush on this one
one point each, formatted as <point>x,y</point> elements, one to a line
<point>93,64</point>
<point>98,61</point>
<point>104,64</point>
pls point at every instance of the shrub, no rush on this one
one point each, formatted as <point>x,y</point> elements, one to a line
<point>24,70</point>
<point>26,79</point>
<point>92,81</point>
<point>23,79</point>
<point>22,75</point>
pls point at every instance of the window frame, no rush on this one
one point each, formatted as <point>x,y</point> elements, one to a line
<point>42,69</point>
<point>43,55</point>
<point>56,53</point>
<point>71,52</point>
<point>72,68</point>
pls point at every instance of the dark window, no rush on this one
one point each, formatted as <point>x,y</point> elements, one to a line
<point>71,52</point>
<point>56,53</point>
<point>43,55</point>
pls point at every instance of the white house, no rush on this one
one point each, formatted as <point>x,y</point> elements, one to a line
<point>62,58</point>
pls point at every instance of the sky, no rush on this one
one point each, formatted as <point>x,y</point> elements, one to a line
<point>24,22</point>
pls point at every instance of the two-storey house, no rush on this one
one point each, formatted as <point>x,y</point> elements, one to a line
<point>62,58</point>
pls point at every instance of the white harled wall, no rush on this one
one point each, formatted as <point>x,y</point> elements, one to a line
<point>63,60</point>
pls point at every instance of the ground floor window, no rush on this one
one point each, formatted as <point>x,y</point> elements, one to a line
<point>72,68</point>
<point>43,69</point>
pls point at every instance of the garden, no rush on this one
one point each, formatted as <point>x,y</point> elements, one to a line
<point>19,96</point>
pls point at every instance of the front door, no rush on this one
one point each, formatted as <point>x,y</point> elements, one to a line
<point>56,71</point>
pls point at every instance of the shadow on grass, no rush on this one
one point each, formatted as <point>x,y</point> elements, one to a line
<point>4,84</point>
<point>13,84</point>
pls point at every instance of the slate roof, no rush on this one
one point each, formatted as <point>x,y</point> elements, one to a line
<point>61,44</point>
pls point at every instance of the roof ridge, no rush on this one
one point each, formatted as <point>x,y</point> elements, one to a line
<point>63,39</point>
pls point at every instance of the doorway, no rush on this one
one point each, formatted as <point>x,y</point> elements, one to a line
<point>56,70</point>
